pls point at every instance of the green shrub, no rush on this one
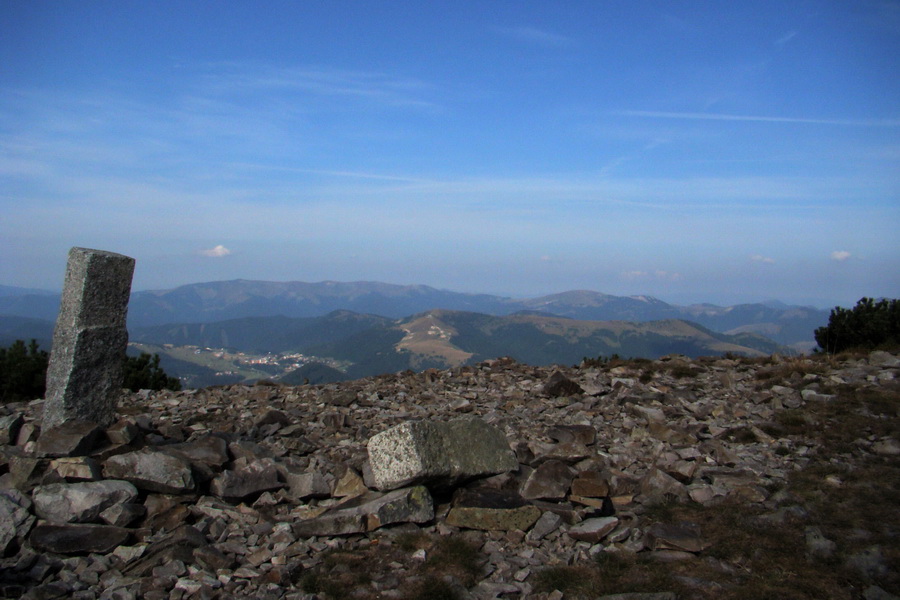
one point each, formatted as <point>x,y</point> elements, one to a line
<point>869,324</point>
<point>144,373</point>
<point>23,373</point>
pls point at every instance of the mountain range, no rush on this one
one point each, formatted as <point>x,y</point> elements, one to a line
<point>371,344</point>
<point>224,300</point>
<point>371,328</point>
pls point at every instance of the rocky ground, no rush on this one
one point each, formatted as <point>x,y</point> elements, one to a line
<point>676,478</point>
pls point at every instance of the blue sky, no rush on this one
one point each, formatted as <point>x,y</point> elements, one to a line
<point>694,151</point>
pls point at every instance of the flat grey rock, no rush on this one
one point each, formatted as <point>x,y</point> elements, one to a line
<point>78,539</point>
<point>71,438</point>
<point>15,519</point>
<point>80,502</point>
<point>9,428</point>
<point>151,470</point>
<point>438,453</point>
<point>250,477</point>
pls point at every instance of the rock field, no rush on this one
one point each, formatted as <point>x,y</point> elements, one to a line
<point>251,491</point>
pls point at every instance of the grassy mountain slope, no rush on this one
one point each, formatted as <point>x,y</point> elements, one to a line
<point>544,340</point>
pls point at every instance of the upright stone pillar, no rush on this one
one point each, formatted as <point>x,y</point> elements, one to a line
<point>84,378</point>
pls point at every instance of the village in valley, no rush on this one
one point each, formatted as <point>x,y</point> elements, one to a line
<point>234,365</point>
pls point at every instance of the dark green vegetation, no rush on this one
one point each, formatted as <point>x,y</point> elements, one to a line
<point>313,374</point>
<point>372,352</point>
<point>144,373</point>
<point>23,372</point>
<point>373,345</point>
<point>867,325</point>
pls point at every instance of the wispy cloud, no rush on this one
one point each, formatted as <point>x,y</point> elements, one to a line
<point>786,38</point>
<point>334,173</point>
<point>534,35</point>
<point>659,275</point>
<point>229,78</point>
<point>840,255</point>
<point>216,252</point>
<point>762,259</point>
<point>694,116</point>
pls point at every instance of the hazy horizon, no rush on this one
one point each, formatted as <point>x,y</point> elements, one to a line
<point>691,151</point>
<point>686,299</point>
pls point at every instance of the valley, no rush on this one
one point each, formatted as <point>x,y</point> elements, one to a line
<point>199,367</point>
<point>225,332</point>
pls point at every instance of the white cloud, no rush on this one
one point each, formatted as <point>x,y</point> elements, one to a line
<point>786,38</point>
<point>658,275</point>
<point>536,36</point>
<point>668,275</point>
<point>216,252</point>
<point>840,255</point>
<point>763,259</point>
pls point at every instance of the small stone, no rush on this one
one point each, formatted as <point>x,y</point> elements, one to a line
<point>349,484</point>
<point>492,510</point>
<point>76,468</point>
<point>657,485</point>
<point>880,358</point>
<point>212,559</point>
<point>80,502</point>
<point>550,481</point>
<point>560,385</point>
<point>72,438</point>
<point>77,539</point>
<point>123,515</point>
<point>26,472</point>
<point>370,511</point>
<point>593,530</point>
<point>129,553</point>
<point>189,586</point>
<point>705,494</point>
<point>247,479</point>
<point>207,454</point>
<point>590,484</point>
<point>887,447</point>
<point>545,525</point>
<point>682,537</point>
<point>9,428</point>
<point>583,434</point>
<point>15,520</point>
<point>818,547</point>
<point>303,486</point>
<point>122,432</point>
<point>151,470</point>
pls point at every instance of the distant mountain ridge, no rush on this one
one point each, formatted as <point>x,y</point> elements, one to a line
<point>224,300</point>
<point>441,338</point>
